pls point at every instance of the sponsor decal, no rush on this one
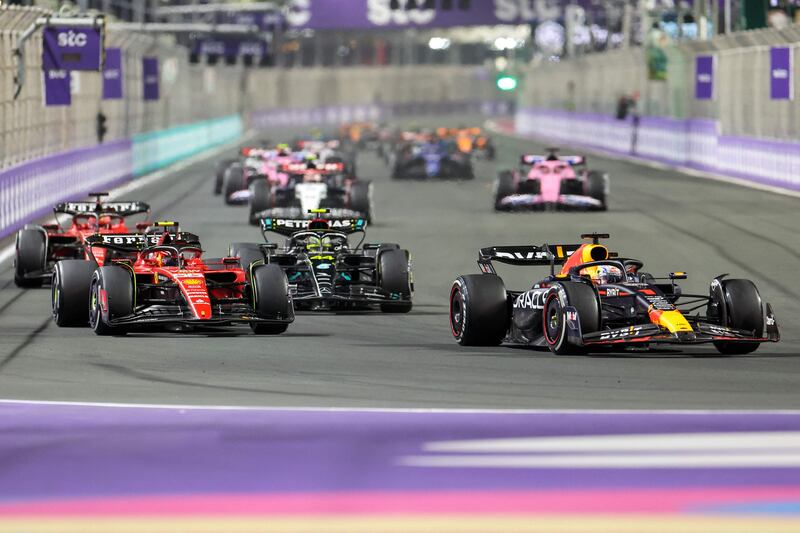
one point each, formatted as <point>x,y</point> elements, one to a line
<point>659,303</point>
<point>194,281</point>
<point>540,255</point>
<point>631,331</point>
<point>531,300</point>
<point>612,292</point>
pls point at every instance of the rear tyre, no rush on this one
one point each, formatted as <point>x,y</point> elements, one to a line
<point>259,199</point>
<point>111,297</point>
<point>219,174</point>
<point>271,299</point>
<point>361,198</point>
<point>31,256</point>
<point>739,306</point>
<point>479,312</point>
<point>394,277</point>
<point>597,187</point>
<point>583,298</point>
<point>72,279</point>
<point>503,186</point>
<point>248,254</point>
<point>233,181</point>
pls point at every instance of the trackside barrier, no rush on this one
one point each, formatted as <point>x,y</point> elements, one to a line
<point>337,114</point>
<point>29,191</point>
<point>694,143</point>
<point>158,149</point>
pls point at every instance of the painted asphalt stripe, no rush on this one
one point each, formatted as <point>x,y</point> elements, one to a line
<point>324,409</point>
<point>764,441</point>
<point>7,253</point>
<point>645,461</point>
<point>524,523</point>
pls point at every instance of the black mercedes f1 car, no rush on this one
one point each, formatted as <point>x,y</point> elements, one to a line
<point>328,272</point>
<point>599,301</point>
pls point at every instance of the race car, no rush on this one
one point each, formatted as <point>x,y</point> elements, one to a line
<point>422,156</point>
<point>326,271</point>
<point>309,185</point>
<point>551,182</point>
<point>39,247</point>
<point>599,301</point>
<point>160,278</point>
<point>469,140</point>
<point>254,163</point>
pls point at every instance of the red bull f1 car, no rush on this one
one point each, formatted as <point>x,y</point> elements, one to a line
<point>160,278</point>
<point>594,300</point>
<point>328,272</point>
<point>551,182</point>
<point>38,248</point>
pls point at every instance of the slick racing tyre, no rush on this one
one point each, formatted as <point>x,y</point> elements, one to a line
<point>394,277</point>
<point>271,299</point>
<point>503,186</point>
<point>739,306</point>
<point>31,257</point>
<point>259,199</point>
<point>219,174</point>
<point>249,254</point>
<point>361,199</point>
<point>72,279</point>
<point>233,181</point>
<point>583,298</point>
<point>479,310</point>
<point>111,297</point>
<point>597,188</point>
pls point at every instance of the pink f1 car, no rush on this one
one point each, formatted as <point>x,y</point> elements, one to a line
<point>551,182</point>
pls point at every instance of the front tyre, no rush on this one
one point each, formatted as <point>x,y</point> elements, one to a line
<point>394,277</point>
<point>219,174</point>
<point>72,279</point>
<point>739,306</point>
<point>597,188</point>
<point>479,312</point>
<point>233,181</point>
<point>361,199</point>
<point>271,299</point>
<point>583,298</point>
<point>503,187</point>
<point>111,297</point>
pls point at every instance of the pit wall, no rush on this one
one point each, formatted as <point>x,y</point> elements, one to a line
<point>740,132</point>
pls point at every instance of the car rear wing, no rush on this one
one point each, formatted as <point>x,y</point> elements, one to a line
<point>289,226</point>
<point>303,168</point>
<point>545,255</point>
<point>127,242</point>
<point>116,208</point>
<point>532,159</point>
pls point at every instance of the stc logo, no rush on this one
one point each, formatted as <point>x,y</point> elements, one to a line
<point>380,13</point>
<point>71,39</point>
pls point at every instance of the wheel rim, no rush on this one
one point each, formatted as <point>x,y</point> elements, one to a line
<point>94,308</point>
<point>456,313</point>
<point>56,297</point>
<point>552,319</point>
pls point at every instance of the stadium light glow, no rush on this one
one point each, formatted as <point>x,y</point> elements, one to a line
<point>506,83</point>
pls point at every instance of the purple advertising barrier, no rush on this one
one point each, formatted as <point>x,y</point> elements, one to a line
<point>230,47</point>
<point>378,14</point>
<point>150,77</point>
<point>72,48</point>
<point>56,87</point>
<point>781,86</point>
<point>29,191</point>
<point>112,74</point>
<point>704,77</point>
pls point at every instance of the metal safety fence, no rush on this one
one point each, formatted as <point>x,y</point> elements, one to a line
<point>741,102</point>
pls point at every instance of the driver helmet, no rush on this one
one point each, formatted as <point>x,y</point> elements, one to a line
<point>283,149</point>
<point>605,274</point>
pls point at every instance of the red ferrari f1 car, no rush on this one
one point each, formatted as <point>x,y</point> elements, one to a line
<point>160,278</point>
<point>38,248</point>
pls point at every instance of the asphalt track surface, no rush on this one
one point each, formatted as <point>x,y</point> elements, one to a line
<point>672,222</point>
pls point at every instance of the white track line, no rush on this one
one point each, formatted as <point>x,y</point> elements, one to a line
<point>12,401</point>
<point>491,125</point>
<point>7,253</point>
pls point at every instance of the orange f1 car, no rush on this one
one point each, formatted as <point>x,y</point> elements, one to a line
<point>599,301</point>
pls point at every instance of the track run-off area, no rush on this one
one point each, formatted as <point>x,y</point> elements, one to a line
<point>374,423</point>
